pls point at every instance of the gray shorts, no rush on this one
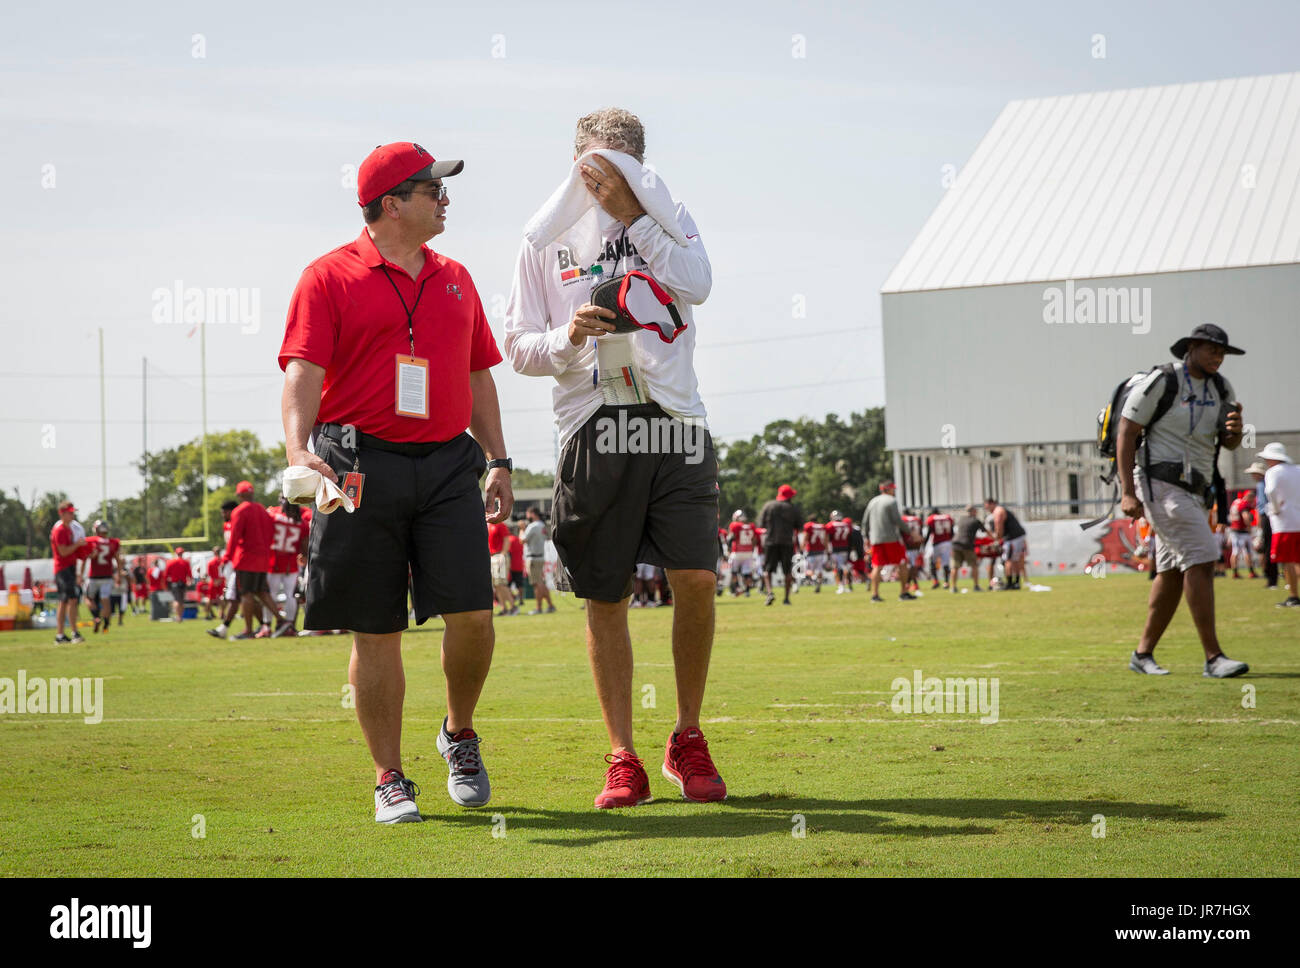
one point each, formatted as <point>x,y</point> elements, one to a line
<point>1181,524</point>
<point>98,588</point>
<point>1013,548</point>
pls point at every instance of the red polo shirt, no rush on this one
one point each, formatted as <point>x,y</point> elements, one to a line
<point>251,532</point>
<point>61,534</point>
<point>177,571</point>
<point>346,317</point>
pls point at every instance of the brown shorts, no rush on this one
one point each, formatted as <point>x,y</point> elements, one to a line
<point>963,556</point>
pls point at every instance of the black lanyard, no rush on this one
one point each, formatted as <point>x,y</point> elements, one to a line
<point>410,313</point>
<point>1194,417</point>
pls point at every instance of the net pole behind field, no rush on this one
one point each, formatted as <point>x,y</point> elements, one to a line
<point>103,433</point>
<point>203,394</point>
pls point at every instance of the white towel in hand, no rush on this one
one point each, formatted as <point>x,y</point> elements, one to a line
<point>302,485</point>
<point>570,211</point>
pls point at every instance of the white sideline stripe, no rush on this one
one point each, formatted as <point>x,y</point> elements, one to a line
<point>260,695</point>
<point>924,719</point>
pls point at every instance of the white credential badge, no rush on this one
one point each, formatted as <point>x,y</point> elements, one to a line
<point>412,387</point>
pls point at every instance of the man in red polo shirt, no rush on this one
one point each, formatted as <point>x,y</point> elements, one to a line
<point>178,573</point>
<point>386,357</point>
<point>249,548</point>
<point>67,549</point>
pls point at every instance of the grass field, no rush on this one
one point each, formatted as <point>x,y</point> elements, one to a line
<point>253,737</point>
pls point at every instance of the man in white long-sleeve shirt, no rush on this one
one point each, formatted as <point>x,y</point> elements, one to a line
<point>637,477</point>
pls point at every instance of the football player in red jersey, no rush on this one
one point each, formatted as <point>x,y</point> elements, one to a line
<point>1241,518</point>
<point>914,542</point>
<point>104,558</point>
<point>838,530</point>
<point>813,544</point>
<point>287,543</point>
<point>139,585</point>
<point>938,531</point>
<point>215,586</point>
<point>744,542</point>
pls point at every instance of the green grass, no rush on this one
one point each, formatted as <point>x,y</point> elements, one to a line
<point>253,736</point>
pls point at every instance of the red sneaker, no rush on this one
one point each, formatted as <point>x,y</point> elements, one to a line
<point>688,766</point>
<point>626,784</point>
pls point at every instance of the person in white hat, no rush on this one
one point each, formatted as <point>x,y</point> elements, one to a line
<point>1282,489</point>
<point>1264,538</point>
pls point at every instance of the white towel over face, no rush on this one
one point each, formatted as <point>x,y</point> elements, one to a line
<point>571,211</point>
<point>302,485</point>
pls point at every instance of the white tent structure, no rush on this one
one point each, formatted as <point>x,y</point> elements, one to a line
<point>1085,235</point>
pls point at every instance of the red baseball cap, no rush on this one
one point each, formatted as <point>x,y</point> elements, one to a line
<point>244,487</point>
<point>785,492</point>
<point>180,551</point>
<point>888,486</point>
<point>389,165</point>
<point>67,506</point>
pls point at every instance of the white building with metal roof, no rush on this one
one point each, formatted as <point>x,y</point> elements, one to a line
<point>1084,236</point>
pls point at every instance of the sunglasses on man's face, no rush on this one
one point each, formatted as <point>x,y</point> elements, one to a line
<point>439,193</point>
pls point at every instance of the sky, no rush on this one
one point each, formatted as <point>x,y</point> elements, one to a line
<point>154,146</point>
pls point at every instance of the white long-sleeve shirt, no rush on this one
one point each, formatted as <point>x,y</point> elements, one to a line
<point>1282,488</point>
<point>543,301</point>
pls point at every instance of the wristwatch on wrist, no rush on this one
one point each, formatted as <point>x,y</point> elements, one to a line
<point>505,462</point>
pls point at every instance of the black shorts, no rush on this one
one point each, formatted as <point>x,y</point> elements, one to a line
<point>782,555</point>
<point>613,510</point>
<point>65,582</point>
<point>178,591</point>
<point>421,519</point>
<point>517,579</point>
<point>250,583</point>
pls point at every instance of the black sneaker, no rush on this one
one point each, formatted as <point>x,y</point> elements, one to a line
<point>876,598</point>
<point>77,638</point>
<point>61,640</point>
<point>770,599</point>
<point>907,597</point>
<point>1291,602</point>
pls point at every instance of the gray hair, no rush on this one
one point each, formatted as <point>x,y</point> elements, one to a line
<point>611,128</point>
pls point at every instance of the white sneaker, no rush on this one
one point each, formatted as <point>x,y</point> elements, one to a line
<point>839,589</point>
<point>1146,664</point>
<point>1221,667</point>
<point>395,799</point>
<point>467,779</point>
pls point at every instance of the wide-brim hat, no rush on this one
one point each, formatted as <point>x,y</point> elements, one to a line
<point>1274,451</point>
<point>1259,467</point>
<point>1209,333</point>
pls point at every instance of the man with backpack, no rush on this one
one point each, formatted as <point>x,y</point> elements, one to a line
<point>1184,413</point>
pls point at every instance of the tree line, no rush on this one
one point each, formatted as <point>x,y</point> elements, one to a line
<point>834,464</point>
